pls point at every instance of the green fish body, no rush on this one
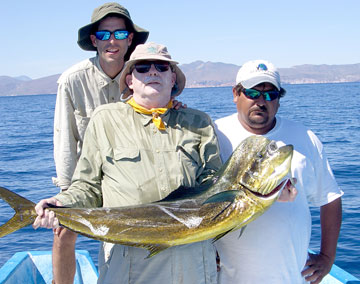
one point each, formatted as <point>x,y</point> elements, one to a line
<point>247,185</point>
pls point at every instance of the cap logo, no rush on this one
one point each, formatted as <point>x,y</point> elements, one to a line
<point>262,66</point>
<point>152,49</point>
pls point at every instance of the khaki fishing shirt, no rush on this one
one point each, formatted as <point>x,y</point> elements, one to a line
<point>81,89</point>
<point>126,160</point>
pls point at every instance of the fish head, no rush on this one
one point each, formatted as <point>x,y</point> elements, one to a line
<point>263,165</point>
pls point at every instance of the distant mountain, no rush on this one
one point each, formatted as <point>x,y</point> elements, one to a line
<point>13,87</point>
<point>23,78</point>
<point>209,74</point>
<point>307,73</point>
<point>201,74</point>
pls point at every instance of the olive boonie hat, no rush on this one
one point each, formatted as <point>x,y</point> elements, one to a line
<point>151,51</point>
<point>113,8</point>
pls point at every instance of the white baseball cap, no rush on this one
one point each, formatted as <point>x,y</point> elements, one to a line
<point>259,71</point>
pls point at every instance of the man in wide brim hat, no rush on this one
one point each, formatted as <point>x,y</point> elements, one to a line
<point>81,89</point>
<point>111,9</point>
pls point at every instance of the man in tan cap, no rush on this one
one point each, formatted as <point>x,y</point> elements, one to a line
<point>82,88</point>
<point>139,152</point>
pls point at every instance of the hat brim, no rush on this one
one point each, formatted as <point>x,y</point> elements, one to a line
<point>84,41</point>
<point>252,82</point>
<point>179,83</point>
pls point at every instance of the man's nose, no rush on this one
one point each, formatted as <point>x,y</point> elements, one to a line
<point>153,70</point>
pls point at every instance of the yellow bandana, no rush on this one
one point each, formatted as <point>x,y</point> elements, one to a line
<point>154,111</point>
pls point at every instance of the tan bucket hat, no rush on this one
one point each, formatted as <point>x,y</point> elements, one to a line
<point>151,51</point>
<point>140,35</point>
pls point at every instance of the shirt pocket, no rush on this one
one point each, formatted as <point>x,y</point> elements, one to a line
<point>81,124</point>
<point>126,154</point>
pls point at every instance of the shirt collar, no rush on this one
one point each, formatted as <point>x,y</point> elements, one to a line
<point>105,78</point>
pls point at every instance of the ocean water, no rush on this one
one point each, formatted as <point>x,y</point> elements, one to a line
<point>330,110</point>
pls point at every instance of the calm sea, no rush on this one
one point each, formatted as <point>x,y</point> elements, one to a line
<point>330,110</point>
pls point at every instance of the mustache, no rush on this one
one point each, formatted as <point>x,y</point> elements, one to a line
<point>261,108</point>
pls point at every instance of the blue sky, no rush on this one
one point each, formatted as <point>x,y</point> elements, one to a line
<point>39,37</point>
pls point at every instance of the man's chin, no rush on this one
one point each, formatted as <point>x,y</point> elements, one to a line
<point>259,119</point>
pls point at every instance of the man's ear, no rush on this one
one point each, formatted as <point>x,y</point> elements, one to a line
<point>128,80</point>
<point>130,39</point>
<point>173,78</point>
<point>93,40</point>
<point>235,95</point>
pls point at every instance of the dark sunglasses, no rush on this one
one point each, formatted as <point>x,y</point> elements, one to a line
<point>145,66</point>
<point>105,35</point>
<point>255,94</point>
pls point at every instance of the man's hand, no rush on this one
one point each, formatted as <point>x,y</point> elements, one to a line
<point>289,191</point>
<point>317,267</point>
<point>178,104</point>
<point>46,218</point>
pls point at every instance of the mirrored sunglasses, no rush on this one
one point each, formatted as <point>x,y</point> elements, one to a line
<point>105,35</point>
<point>145,66</point>
<point>255,94</point>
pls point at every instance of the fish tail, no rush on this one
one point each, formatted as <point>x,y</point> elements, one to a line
<point>24,212</point>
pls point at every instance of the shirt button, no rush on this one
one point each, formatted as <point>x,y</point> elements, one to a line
<point>160,170</point>
<point>113,99</point>
<point>163,189</point>
<point>157,151</point>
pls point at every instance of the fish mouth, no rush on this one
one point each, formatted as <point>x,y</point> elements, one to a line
<point>277,189</point>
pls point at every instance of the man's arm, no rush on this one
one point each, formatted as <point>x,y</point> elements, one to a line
<point>209,153</point>
<point>65,137</point>
<point>319,265</point>
<point>85,189</point>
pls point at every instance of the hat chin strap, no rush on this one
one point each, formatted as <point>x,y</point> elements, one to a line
<point>122,99</point>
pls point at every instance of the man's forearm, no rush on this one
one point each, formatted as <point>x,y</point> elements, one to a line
<point>330,216</point>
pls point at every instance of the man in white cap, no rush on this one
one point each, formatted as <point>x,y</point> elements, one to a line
<point>274,248</point>
<point>82,88</point>
<point>139,152</point>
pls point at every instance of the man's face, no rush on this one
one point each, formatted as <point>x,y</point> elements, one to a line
<point>151,89</point>
<point>112,50</point>
<point>256,115</point>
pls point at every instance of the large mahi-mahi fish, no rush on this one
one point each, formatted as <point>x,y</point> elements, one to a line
<point>247,185</point>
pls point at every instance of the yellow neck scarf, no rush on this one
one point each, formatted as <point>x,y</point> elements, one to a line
<point>154,111</point>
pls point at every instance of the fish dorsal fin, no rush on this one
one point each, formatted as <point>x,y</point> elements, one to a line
<point>225,196</point>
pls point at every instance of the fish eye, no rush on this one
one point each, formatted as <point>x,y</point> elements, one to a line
<point>272,147</point>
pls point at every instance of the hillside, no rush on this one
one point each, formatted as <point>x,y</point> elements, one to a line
<point>202,74</point>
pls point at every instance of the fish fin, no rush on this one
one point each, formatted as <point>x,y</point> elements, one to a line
<point>220,236</point>
<point>224,196</point>
<point>24,212</point>
<point>234,229</point>
<point>185,192</point>
<point>154,249</point>
<point>55,206</point>
<point>242,229</point>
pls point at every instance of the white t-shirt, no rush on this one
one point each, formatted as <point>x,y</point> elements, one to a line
<point>273,248</point>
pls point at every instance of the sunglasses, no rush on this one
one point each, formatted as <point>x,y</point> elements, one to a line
<point>145,66</point>
<point>254,94</point>
<point>105,35</point>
